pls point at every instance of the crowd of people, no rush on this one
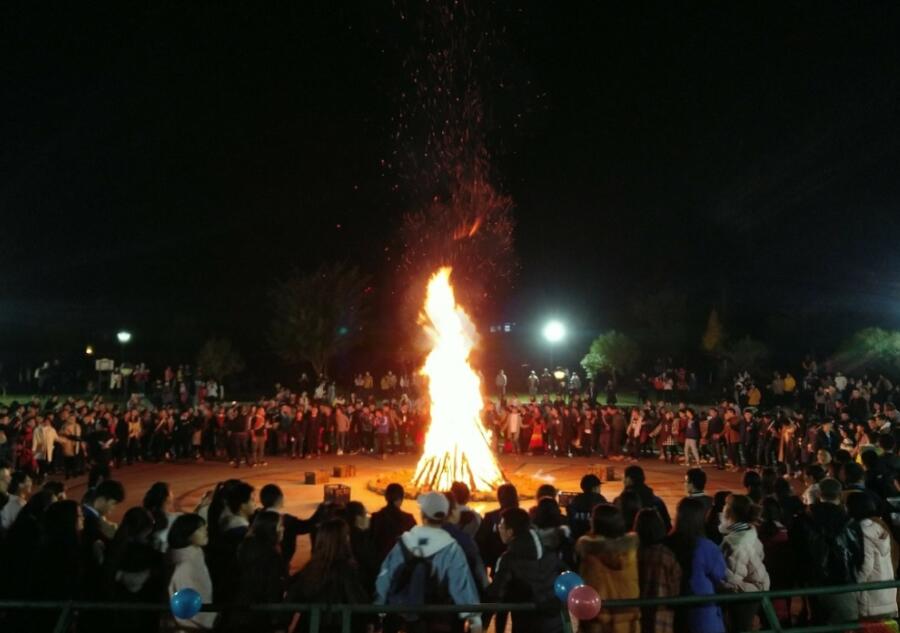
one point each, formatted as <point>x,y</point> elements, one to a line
<point>236,548</point>
<point>786,424</point>
<point>820,505</point>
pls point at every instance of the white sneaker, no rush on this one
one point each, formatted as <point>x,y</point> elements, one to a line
<point>340,452</point>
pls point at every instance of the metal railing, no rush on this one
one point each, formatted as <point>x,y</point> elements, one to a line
<point>346,612</point>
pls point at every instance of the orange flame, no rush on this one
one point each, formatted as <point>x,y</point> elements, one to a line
<point>457,447</point>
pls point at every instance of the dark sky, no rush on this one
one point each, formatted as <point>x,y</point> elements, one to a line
<point>160,167</point>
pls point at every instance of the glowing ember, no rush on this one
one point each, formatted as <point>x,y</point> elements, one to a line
<point>456,445</point>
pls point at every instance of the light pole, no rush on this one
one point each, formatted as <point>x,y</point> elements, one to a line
<point>89,354</point>
<point>124,337</point>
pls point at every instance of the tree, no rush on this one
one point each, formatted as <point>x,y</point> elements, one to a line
<point>614,352</point>
<point>871,348</point>
<point>219,359</point>
<point>319,315</point>
<point>747,354</point>
<point>714,336</point>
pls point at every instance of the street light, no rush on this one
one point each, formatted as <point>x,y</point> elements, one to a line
<point>554,332</point>
<point>124,337</point>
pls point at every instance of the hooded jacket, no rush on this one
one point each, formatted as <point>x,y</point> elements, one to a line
<point>744,555</point>
<point>447,559</point>
<point>557,541</point>
<point>877,565</point>
<point>191,573</point>
<point>526,572</point>
<point>610,566</point>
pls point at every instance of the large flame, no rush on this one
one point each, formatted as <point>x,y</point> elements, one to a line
<point>457,447</point>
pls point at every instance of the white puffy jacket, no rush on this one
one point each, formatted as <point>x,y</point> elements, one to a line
<point>877,565</point>
<point>744,567</point>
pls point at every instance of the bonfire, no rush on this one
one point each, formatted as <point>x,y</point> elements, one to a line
<point>457,446</point>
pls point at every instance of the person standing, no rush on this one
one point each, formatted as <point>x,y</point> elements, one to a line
<point>658,571</point>
<point>702,567</point>
<point>829,548</point>
<point>534,384</point>
<point>98,532</point>
<point>779,556</point>
<point>313,424</point>
<point>609,564</point>
<point>297,433</point>
<point>237,426</point>
<point>617,431</point>
<point>258,435</point>
<point>133,571</point>
<point>381,424</point>
<point>488,537</point>
<point>880,557</point>
<point>695,487</point>
<point>390,522</point>
<point>745,569</point>
<point>260,576</point>
<point>331,576</point>
<point>691,439</point>
<point>232,527</point>
<point>187,537</point>
<point>43,443</point>
<point>342,427</point>
<point>513,427</point>
<point>501,381</point>
<point>526,573</point>
<point>448,565</point>
<point>714,431</point>
<point>18,491</point>
<point>581,508</point>
<point>734,432</point>
<point>70,443</point>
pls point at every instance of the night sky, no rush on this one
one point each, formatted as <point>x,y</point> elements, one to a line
<point>161,167</point>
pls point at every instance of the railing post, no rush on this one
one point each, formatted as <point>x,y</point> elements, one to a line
<point>314,618</point>
<point>62,622</point>
<point>566,620</point>
<point>769,611</point>
<point>346,616</point>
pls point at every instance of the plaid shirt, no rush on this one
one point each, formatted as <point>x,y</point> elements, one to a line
<point>660,576</point>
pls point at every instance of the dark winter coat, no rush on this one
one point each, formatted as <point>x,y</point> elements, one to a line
<point>828,545</point>
<point>386,526</point>
<point>526,573</point>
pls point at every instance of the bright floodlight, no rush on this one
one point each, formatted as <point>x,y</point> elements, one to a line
<point>554,331</point>
<point>123,336</point>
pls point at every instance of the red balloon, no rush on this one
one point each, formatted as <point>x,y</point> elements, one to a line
<point>584,602</point>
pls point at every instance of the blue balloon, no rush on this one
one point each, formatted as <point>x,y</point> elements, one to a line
<point>565,583</point>
<point>186,603</point>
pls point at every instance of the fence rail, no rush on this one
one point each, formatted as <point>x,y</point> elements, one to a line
<point>315,611</point>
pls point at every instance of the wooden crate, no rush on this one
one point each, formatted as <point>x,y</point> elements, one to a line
<point>313,477</point>
<point>337,493</point>
<point>345,470</point>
